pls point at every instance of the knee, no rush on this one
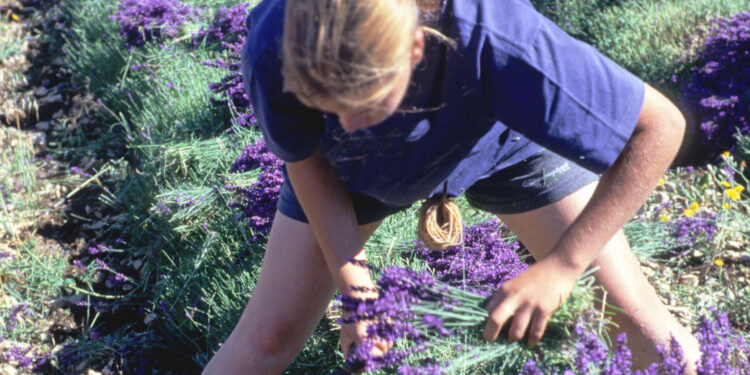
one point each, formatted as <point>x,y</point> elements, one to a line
<point>262,351</point>
<point>269,340</point>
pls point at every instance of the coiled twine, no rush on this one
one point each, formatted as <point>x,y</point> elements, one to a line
<point>440,224</point>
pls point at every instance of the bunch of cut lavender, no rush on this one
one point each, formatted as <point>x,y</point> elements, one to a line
<point>421,315</point>
<point>259,201</point>
<point>142,21</point>
<point>483,262</point>
<point>717,95</point>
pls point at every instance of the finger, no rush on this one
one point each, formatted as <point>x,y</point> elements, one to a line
<point>346,348</point>
<point>384,345</point>
<point>520,322</point>
<point>381,346</point>
<point>376,352</point>
<point>497,320</point>
<point>538,326</point>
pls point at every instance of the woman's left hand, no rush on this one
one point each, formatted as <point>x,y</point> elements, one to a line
<point>529,300</point>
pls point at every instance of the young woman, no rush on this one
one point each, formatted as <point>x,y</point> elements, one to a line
<point>374,107</point>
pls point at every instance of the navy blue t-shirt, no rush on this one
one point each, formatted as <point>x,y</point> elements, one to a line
<point>513,82</point>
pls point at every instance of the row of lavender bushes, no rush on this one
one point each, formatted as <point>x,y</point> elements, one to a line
<point>198,214</point>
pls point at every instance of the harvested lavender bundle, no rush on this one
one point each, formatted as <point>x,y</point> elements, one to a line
<point>419,314</point>
<point>483,262</point>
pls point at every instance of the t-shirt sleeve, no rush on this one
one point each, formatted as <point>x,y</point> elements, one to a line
<point>562,94</point>
<point>291,130</point>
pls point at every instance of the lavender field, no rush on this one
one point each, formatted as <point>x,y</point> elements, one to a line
<point>137,194</point>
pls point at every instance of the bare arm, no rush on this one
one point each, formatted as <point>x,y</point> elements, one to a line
<point>622,189</point>
<point>329,210</point>
<point>625,186</point>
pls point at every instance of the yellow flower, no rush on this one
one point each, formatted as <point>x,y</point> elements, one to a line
<point>719,263</point>
<point>725,154</point>
<point>739,188</point>
<point>694,206</point>
<point>726,206</point>
<point>688,212</point>
<point>661,182</point>
<point>664,218</point>
<point>725,184</point>
<point>732,194</point>
<point>14,17</point>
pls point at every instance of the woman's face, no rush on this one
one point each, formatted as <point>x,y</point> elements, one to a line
<point>352,120</point>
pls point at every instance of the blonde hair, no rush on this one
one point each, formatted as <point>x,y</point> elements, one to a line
<point>346,52</point>
<point>349,53</point>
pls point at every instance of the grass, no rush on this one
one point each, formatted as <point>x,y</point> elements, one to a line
<point>655,40</point>
<point>185,287</point>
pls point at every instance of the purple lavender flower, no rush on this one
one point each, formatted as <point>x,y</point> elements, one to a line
<point>698,228</point>
<point>228,26</point>
<point>80,264</point>
<point>142,21</point>
<point>254,156</point>
<point>484,261</point>
<point>591,351</point>
<point>99,249</point>
<point>717,95</point>
<point>101,264</point>
<point>621,363</point>
<point>78,171</point>
<point>402,312</point>
<point>530,368</point>
<point>259,201</point>
<point>14,313</point>
<point>432,369</point>
<point>19,355</point>
<point>723,351</point>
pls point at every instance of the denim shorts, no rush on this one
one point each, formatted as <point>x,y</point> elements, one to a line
<point>534,182</point>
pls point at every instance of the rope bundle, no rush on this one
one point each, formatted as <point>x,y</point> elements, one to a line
<point>440,224</point>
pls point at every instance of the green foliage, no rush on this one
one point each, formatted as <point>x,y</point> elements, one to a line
<point>653,39</point>
<point>32,277</point>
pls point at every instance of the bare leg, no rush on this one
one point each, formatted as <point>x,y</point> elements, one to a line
<point>647,321</point>
<point>292,292</point>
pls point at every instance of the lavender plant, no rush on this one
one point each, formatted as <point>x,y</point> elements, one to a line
<point>254,156</point>
<point>420,314</point>
<point>143,21</point>
<point>723,352</point>
<point>258,202</point>
<point>483,262</point>
<point>697,228</point>
<point>718,94</point>
<point>228,28</point>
